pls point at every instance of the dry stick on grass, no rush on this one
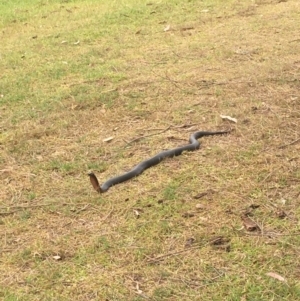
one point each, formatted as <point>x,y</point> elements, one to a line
<point>176,84</point>
<point>83,208</point>
<point>292,143</point>
<point>162,131</point>
<point>268,233</point>
<point>21,207</point>
<point>188,282</point>
<point>205,83</point>
<point>145,136</point>
<point>183,126</point>
<point>35,205</point>
<point>8,213</point>
<point>172,126</point>
<point>161,257</point>
<point>139,292</point>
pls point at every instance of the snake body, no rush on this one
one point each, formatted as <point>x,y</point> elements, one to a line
<point>138,169</point>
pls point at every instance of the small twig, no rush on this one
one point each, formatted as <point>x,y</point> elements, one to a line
<point>25,206</point>
<point>166,77</point>
<point>195,282</point>
<point>6,169</point>
<point>172,126</point>
<point>153,129</point>
<point>145,136</point>
<point>265,178</point>
<point>295,40</point>
<point>6,250</point>
<point>159,258</point>
<point>38,205</point>
<point>161,131</point>
<point>20,207</point>
<point>174,82</point>
<point>268,234</point>
<point>107,215</point>
<point>8,213</point>
<point>83,208</point>
<point>138,291</point>
<point>292,143</point>
<point>184,57</point>
<point>184,126</point>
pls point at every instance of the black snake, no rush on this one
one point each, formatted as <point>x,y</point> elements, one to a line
<point>138,169</point>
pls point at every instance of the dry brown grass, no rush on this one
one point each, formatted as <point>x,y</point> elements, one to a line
<point>237,59</point>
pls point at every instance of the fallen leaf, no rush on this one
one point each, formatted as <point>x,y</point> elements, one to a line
<point>204,193</point>
<point>219,240</point>
<point>167,28</point>
<point>189,242</point>
<point>137,213</point>
<point>254,206</point>
<point>282,201</point>
<point>249,224</point>
<point>229,118</point>
<point>242,51</point>
<point>200,206</point>
<point>220,243</point>
<point>74,107</point>
<point>188,214</point>
<point>187,28</point>
<point>108,139</point>
<point>281,214</point>
<point>276,276</point>
<point>39,157</point>
<point>200,195</point>
<point>243,298</point>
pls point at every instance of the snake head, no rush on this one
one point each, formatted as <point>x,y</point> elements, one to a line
<point>94,182</point>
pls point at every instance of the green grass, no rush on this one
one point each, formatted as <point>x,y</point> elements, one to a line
<point>76,72</point>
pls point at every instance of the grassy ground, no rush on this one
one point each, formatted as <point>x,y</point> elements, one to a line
<point>76,72</point>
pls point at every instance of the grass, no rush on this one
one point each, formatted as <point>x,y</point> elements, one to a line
<point>76,72</point>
